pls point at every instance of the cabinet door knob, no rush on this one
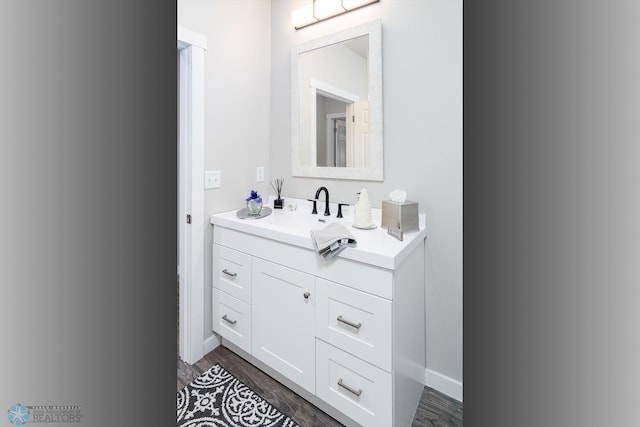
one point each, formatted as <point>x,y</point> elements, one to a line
<point>307,295</point>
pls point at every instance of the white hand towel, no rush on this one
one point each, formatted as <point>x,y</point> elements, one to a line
<point>332,240</point>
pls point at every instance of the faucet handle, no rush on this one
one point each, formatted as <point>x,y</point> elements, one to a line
<point>340,205</point>
<point>315,210</point>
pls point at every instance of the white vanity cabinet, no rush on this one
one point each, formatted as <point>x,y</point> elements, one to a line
<point>348,334</point>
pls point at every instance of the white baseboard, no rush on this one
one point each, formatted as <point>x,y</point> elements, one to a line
<point>211,343</point>
<point>444,384</point>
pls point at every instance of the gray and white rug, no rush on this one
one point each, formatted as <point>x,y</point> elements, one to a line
<point>218,399</point>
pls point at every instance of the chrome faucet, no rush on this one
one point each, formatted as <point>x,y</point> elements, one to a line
<point>326,206</point>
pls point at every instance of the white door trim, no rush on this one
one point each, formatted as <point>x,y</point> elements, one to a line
<point>191,48</point>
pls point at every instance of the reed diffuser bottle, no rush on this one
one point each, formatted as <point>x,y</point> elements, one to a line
<point>277,187</point>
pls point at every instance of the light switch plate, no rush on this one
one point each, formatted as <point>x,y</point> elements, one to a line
<point>212,179</point>
<point>260,174</point>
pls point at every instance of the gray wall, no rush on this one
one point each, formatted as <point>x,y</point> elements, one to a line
<point>237,108</point>
<point>248,125</point>
<point>422,81</point>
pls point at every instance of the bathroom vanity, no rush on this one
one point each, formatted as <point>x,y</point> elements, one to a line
<point>348,333</point>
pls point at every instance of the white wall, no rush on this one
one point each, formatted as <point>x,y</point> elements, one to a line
<point>247,108</point>
<point>237,106</point>
<point>422,81</point>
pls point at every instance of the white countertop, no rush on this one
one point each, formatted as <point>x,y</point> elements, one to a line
<point>374,247</point>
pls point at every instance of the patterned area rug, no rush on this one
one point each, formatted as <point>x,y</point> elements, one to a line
<point>217,398</point>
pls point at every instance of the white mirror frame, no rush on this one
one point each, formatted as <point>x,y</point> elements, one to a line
<point>374,90</point>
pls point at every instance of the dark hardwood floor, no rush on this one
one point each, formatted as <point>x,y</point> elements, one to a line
<point>435,409</point>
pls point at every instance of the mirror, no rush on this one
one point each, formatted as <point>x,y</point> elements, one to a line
<point>336,105</point>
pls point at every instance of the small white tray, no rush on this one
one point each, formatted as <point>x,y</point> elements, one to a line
<point>244,213</point>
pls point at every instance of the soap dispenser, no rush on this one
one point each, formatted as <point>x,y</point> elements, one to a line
<point>362,212</point>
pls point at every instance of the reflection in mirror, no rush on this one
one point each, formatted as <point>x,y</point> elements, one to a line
<point>332,79</point>
<point>337,105</point>
<point>331,132</point>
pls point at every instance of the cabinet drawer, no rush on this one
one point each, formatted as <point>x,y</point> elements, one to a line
<point>355,321</point>
<point>232,272</point>
<point>232,319</point>
<point>354,387</point>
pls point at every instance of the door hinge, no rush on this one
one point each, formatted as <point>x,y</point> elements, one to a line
<point>188,219</point>
<point>353,118</point>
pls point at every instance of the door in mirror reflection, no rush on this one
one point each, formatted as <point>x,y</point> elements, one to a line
<point>358,141</point>
<point>342,133</point>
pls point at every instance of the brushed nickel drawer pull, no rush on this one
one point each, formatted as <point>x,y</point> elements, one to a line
<point>349,389</point>
<point>226,319</point>
<point>346,322</point>
<point>229,274</point>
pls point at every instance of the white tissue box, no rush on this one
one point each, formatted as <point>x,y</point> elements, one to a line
<point>400,215</point>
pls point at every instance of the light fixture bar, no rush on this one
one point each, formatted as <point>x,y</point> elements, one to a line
<point>325,9</point>
<point>321,10</point>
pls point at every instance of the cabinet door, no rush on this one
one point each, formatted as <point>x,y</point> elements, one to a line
<point>283,321</point>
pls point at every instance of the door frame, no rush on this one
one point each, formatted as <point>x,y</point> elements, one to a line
<point>332,155</point>
<point>191,47</point>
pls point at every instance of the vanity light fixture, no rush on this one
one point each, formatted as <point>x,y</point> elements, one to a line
<point>320,10</point>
